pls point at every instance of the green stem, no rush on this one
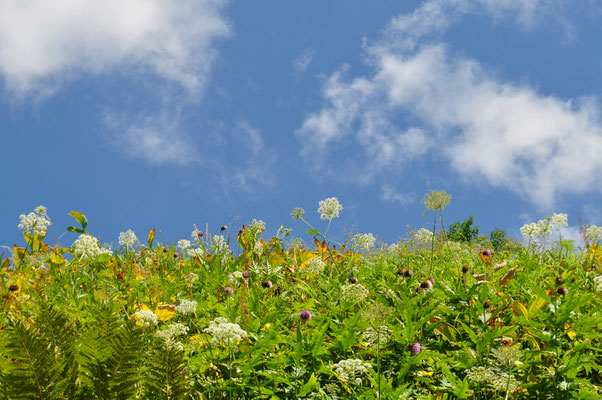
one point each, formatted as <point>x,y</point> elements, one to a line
<point>433,244</point>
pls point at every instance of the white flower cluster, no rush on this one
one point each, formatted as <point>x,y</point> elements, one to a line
<point>258,248</point>
<point>598,282</point>
<point>184,244</point>
<point>235,277</point>
<point>350,370</point>
<point>128,238</point>
<point>224,332</point>
<point>543,228</point>
<point>186,307</point>
<point>257,227</point>
<point>297,213</point>
<point>436,199</point>
<point>508,356</point>
<point>173,331</point>
<point>593,234</point>
<point>191,277</point>
<point>315,265</point>
<point>423,236</point>
<point>364,241</point>
<point>86,246</point>
<point>478,375</point>
<point>36,221</point>
<point>371,335</point>
<point>329,208</point>
<point>196,252</point>
<point>171,334</point>
<point>147,317</point>
<point>219,243</point>
<point>354,293</point>
<point>505,382</point>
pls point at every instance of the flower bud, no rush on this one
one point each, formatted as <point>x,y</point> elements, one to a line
<point>408,273</point>
<point>224,227</point>
<point>465,268</point>
<point>415,348</point>
<point>486,304</point>
<point>305,315</point>
<point>353,279</point>
<point>562,291</point>
<point>229,290</point>
<point>176,255</point>
<point>246,274</point>
<point>266,284</point>
<point>13,288</point>
<point>200,234</point>
<point>559,280</point>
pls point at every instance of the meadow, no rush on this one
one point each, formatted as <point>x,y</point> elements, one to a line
<point>234,315</point>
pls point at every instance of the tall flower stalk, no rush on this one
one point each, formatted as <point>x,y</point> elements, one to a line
<point>435,200</point>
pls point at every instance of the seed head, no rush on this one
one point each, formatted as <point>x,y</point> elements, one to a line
<point>465,268</point>
<point>562,290</point>
<point>426,284</point>
<point>266,284</point>
<point>486,304</point>
<point>229,290</point>
<point>305,315</point>
<point>559,280</point>
<point>353,279</point>
<point>401,272</point>
<point>408,273</point>
<point>13,288</point>
<point>246,274</point>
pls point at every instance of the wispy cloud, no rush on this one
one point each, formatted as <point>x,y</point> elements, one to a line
<point>157,139</point>
<point>506,134</point>
<point>44,44</point>
<point>301,63</point>
<point>392,195</point>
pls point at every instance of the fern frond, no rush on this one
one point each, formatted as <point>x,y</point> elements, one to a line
<point>168,374</point>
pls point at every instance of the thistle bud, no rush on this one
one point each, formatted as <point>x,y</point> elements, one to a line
<point>224,227</point>
<point>415,348</point>
<point>562,290</point>
<point>408,273</point>
<point>559,280</point>
<point>353,279</point>
<point>305,315</point>
<point>229,290</point>
<point>465,268</point>
<point>486,304</point>
<point>266,284</point>
<point>246,274</point>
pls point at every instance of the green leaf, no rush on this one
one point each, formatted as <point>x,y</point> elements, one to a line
<point>76,230</point>
<point>312,232</point>
<point>81,218</point>
<point>309,386</point>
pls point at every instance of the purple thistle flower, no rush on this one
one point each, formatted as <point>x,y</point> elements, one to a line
<point>305,315</point>
<point>224,227</point>
<point>415,348</point>
<point>200,234</point>
<point>176,255</point>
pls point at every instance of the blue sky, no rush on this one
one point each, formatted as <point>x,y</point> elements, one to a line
<point>152,114</point>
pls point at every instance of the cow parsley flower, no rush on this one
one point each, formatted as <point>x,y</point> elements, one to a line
<point>147,318</point>
<point>86,247</point>
<point>349,371</point>
<point>593,234</point>
<point>354,293</point>
<point>224,332</point>
<point>258,248</point>
<point>507,356</point>
<point>364,242</point>
<point>171,334</point>
<point>297,213</point>
<point>371,335</point>
<point>315,265</point>
<point>423,236</point>
<point>257,227</point>
<point>329,208</point>
<point>196,252</point>
<point>186,307</point>
<point>128,238</point>
<point>35,222</point>
<point>436,199</point>
<point>191,277</point>
<point>477,375</point>
<point>184,244</point>
<point>219,243</point>
<point>505,382</point>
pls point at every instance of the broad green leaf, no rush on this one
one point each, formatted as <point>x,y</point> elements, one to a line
<point>309,386</point>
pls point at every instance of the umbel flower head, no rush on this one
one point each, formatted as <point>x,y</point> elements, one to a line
<point>35,222</point>
<point>86,246</point>
<point>329,208</point>
<point>224,332</point>
<point>436,199</point>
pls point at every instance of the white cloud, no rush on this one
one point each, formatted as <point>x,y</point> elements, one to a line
<point>390,194</point>
<point>155,139</point>
<point>44,43</point>
<point>506,134</point>
<point>301,63</point>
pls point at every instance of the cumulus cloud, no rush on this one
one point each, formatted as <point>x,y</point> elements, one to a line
<point>44,43</point>
<point>506,134</point>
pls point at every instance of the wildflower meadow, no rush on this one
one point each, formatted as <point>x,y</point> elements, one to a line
<point>441,314</point>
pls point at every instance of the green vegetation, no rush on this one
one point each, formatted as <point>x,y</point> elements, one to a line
<point>425,318</point>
